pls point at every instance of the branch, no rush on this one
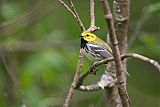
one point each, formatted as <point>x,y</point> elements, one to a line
<point>78,18</point>
<point>92,27</point>
<point>132,55</point>
<point>107,60</point>
<point>93,87</point>
<point>66,6</point>
<point>107,81</point>
<point>7,68</point>
<point>75,80</point>
<point>116,53</point>
<point>143,58</point>
<point>137,28</point>
<point>30,16</point>
<point>76,76</point>
<point>92,13</point>
<point>73,13</point>
<point>33,45</point>
<point>91,70</point>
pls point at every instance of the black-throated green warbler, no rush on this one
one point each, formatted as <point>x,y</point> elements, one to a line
<point>95,48</point>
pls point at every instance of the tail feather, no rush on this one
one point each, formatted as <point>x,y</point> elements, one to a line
<point>126,71</point>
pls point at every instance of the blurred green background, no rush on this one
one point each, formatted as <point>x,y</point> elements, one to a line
<point>39,49</point>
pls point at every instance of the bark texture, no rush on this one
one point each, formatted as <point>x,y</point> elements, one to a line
<point>121,9</point>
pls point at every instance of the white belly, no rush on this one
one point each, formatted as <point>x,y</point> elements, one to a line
<point>90,57</point>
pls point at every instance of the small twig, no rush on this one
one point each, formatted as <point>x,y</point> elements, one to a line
<point>107,60</point>
<point>32,45</point>
<point>8,70</point>
<point>92,27</point>
<point>33,14</point>
<point>73,13</point>
<point>138,27</point>
<point>75,80</point>
<point>92,13</point>
<point>76,76</point>
<point>144,17</point>
<point>93,87</point>
<point>78,18</point>
<point>143,58</point>
<point>90,70</point>
<point>133,55</point>
<point>107,81</point>
<point>116,53</point>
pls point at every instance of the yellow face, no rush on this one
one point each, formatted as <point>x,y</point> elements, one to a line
<point>88,36</point>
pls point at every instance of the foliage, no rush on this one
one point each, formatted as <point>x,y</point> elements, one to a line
<point>42,50</point>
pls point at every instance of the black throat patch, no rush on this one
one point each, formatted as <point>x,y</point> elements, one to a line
<point>83,43</point>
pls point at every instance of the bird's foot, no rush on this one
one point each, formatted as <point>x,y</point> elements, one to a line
<point>93,71</point>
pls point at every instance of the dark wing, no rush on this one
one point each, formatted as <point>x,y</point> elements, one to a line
<point>99,51</point>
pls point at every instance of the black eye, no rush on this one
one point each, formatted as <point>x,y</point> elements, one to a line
<point>87,35</point>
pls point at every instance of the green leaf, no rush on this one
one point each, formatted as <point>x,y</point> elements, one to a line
<point>147,39</point>
<point>152,10</point>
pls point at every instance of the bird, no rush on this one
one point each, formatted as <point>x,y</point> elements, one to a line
<point>94,48</point>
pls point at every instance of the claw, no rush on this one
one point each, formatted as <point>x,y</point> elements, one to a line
<point>94,71</point>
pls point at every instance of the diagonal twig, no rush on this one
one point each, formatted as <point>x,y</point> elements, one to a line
<point>7,68</point>
<point>76,76</point>
<point>32,15</point>
<point>75,80</point>
<point>76,16</point>
<point>73,14</point>
<point>137,28</point>
<point>155,63</point>
<point>95,87</point>
<point>107,81</point>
